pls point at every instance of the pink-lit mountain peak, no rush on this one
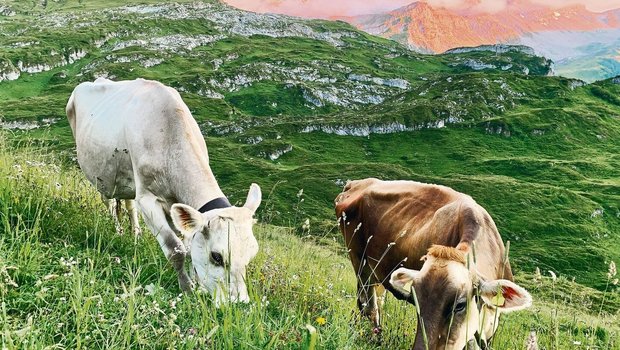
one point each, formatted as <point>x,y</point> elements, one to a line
<point>439,25</point>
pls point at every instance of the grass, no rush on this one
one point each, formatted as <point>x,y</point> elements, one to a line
<point>70,282</point>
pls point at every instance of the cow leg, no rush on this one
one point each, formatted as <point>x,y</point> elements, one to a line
<point>369,301</point>
<point>113,208</point>
<point>130,205</point>
<point>170,244</point>
<point>379,301</point>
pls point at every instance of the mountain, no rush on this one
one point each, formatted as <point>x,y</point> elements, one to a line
<point>570,35</point>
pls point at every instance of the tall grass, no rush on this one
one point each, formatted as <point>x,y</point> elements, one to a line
<point>68,281</point>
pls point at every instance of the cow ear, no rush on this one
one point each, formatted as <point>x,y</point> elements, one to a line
<point>186,219</point>
<point>254,198</point>
<point>505,295</point>
<point>403,280</point>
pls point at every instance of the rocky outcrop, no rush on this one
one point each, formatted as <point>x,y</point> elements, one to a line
<point>26,124</point>
<point>173,43</point>
<point>8,71</point>
<point>378,128</point>
<point>54,60</point>
<point>498,48</point>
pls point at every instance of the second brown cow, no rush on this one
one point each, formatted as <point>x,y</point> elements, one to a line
<point>416,240</point>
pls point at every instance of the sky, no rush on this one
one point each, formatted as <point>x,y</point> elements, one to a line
<point>328,8</point>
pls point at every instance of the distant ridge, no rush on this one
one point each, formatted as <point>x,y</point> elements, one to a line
<point>585,44</point>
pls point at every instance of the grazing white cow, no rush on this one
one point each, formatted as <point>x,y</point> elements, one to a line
<point>137,139</point>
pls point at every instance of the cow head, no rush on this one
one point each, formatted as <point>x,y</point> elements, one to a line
<point>221,244</point>
<point>456,304</point>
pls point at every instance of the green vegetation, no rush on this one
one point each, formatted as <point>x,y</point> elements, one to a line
<point>296,105</point>
<point>68,281</point>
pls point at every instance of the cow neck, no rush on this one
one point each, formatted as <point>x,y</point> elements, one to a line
<point>217,203</point>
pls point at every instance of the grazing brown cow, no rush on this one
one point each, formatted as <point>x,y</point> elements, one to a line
<point>407,236</point>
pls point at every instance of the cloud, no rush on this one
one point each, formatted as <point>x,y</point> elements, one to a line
<point>592,5</point>
<point>319,8</point>
<point>486,6</point>
<point>331,8</point>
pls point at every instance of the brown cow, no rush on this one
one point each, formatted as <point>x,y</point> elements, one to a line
<point>406,236</point>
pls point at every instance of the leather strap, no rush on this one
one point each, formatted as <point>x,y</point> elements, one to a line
<point>217,203</point>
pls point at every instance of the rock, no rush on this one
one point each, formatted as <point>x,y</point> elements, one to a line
<point>386,128</point>
<point>499,48</point>
<point>478,65</point>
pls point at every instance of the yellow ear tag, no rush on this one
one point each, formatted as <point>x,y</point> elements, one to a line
<point>498,300</point>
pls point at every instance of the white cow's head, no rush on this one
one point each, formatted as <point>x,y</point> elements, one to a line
<point>456,304</point>
<point>221,244</point>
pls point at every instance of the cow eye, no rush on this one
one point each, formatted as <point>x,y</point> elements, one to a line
<point>216,259</point>
<point>460,306</point>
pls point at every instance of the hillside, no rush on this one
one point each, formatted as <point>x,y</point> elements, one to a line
<point>295,104</point>
<point>68,281</point>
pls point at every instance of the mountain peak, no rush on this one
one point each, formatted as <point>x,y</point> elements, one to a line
<point>436,27</point>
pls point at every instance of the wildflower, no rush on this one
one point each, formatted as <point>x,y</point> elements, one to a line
<point>150,289</point>
<point>49,277</point>
<point>300,193</point>
<point>537,274</point>
<point>553,276</point>
<point>306,225</point>
<point>612,270</point>
<point>532,341</point>
<point>320,320</point>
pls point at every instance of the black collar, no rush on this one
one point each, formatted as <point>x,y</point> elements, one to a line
<point>217,203</point>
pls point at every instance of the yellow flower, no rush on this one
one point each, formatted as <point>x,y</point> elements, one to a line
<point>320,320</point>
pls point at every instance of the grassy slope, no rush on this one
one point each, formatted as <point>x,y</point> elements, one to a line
<point>70,282</point>
<point>542,158</point>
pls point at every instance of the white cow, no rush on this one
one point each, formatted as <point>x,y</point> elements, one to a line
<point>137,139</point>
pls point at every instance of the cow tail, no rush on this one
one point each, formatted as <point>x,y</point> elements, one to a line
<point>70,109</point>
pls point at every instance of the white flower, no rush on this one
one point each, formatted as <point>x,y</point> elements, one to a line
<point>553,276</point>
<point>612,270</point>
<point>306,225</point>
<point>150,289</point>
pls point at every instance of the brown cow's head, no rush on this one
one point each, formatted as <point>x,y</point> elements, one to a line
<point>456,304</point>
